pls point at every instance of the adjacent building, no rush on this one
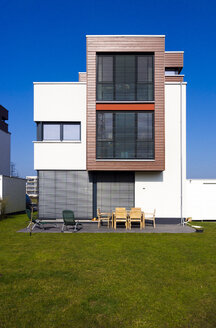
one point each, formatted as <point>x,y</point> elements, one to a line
<point>5,139</point>
<point>12,189</point>
<point>116,138</point>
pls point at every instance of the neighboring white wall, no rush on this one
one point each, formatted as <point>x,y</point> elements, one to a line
<point>162,190</point>
<point>60,102</point>
<point>13,191</point>
<point>200,199</point>
<point>5,153</point>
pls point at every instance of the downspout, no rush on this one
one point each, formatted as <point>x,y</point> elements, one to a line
<point>181,166</point>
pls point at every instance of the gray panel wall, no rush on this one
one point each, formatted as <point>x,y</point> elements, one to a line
<point>115,189</point>
<point>60,190</point>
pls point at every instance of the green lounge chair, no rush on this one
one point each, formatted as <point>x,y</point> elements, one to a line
<point>69,220</point>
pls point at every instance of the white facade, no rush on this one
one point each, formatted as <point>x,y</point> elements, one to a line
<point>163,190</point>
<point>60,102</point>
<point>12,191</point>
<point>5,152</point>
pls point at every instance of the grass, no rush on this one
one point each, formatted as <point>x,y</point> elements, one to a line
<point>106,280</point>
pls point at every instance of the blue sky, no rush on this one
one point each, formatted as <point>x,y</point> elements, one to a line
<point>44,40</point>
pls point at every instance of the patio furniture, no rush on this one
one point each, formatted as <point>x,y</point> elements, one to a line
<point>149,217</point>
<point>135,216</point>
<point>69,220</point>
<point>120,215</point>
<point>32,219</point>
<point>102,216</point>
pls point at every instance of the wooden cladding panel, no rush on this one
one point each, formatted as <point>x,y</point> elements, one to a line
<point>125,106</point>
<point>175,78</point>
<point>126,44</point>
<point>174,59</point>
<point>82,76</point>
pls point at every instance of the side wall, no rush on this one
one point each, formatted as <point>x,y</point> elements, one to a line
<point>5,152</point>
<point>60,102</point>
<point>14,191</point>
<point>162,190</point>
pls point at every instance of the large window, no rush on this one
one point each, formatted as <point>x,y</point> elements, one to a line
<point>125,135</point>
<point>125,77</point>
<point>60,131</point>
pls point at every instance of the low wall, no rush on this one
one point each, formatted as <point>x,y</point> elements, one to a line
<point>200,199</point>
<point>13,191</point>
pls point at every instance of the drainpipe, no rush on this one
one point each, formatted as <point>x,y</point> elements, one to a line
<point>181,166</point>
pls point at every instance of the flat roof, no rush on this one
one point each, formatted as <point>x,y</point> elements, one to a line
<point>59,83</point>
<point>126,35</point>
<point>173,52</point>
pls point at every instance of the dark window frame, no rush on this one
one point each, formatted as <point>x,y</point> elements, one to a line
<point>40,130</point>
<point>136,139</point>
<point>136,54</point>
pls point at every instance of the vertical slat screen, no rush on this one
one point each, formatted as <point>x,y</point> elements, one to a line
<point>60,190</point>
<point>115,189</point>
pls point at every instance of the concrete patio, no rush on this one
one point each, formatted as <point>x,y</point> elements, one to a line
<point>92,227</point>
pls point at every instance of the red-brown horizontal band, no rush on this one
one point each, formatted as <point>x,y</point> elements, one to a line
<point>125,106</point>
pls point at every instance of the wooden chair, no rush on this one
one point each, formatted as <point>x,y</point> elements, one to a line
<point>149,217</point>
<point>120,215</point>
<point>135,216</point>
<point>103,217</point>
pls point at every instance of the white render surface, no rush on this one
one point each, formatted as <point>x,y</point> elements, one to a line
<point>200,199</point>
<point>5,152</point>
<point>13,191</point>
<point>60,102</point>
<point>162,190</point>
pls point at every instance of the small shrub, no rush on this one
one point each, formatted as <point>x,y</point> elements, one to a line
<point>2,208</point>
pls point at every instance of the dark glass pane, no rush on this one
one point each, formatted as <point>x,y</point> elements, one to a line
<point>145,69</point>
<point>125,77</point>
<point>104,149</point>
<point>105,69</point>
<point>125,135</point>
<point>145,149</point>
<point>105,91</point>
<point>104,126</point>
<point>145,91</point>
<point>145,126</point>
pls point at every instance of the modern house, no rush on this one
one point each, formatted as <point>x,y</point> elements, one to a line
<point>32,186</point>
<point>116,138</point>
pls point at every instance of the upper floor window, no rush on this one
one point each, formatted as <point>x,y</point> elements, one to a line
<point>125,77</point>
<point>125,135</point>
<point>60,131</point>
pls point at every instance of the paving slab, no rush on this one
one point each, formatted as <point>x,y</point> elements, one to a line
<point>93,228</point>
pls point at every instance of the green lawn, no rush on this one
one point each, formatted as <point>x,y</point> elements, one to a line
<point>106,280</point>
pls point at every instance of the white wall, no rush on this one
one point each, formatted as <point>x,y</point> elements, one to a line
<point>162,190</point>
<point>200,200</point>
<point>60,102</point>
<point>13,191</point>
<point>5,153</point>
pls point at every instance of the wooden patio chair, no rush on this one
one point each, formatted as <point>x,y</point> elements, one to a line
<point>149,217</point>
<point>135,216</point>
<point>120,215</point>
<point>102,216</point>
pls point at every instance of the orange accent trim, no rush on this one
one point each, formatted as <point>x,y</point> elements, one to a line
<point>125,106</point>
